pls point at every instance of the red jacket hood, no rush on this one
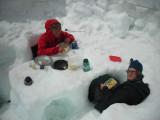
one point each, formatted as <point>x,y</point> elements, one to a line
<point>49,23</point>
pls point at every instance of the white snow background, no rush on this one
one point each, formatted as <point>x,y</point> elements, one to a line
<point>125,28</point>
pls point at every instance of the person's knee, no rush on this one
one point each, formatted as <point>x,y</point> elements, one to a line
<point>91,92</point>
<point>98,94</point>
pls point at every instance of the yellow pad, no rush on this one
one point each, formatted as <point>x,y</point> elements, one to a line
<point>110,83</point>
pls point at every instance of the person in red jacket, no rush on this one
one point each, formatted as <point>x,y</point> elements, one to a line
<point>47,44</point>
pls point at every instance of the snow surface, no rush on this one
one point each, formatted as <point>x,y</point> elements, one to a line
<point>125,28</point>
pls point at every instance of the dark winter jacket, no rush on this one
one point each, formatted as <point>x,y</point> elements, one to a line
<point>47,43</point>
<point>130,92</point>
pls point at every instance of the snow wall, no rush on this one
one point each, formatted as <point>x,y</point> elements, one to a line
<point>21,10</point>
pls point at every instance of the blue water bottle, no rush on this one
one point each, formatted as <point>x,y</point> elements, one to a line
<point>74,45</point>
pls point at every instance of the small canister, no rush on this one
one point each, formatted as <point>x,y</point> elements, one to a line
<point>86,66</point>
<point>28,81</point>
<point>74,45</point>
<point>42,65</point>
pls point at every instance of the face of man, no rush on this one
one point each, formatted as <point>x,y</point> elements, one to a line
<point>56,32</point>
<point>131,74</point>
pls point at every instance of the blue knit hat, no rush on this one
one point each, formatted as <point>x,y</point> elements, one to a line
<point>136,65</point>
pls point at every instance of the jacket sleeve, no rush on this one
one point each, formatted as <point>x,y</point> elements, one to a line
<point>109,98</point>
<point>67,35</point>
<point>43,47</point>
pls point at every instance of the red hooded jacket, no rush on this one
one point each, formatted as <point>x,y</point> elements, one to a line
<point>47,43</point>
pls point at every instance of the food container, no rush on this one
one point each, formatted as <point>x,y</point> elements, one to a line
<point>43,60</point>
<point>66,47</point>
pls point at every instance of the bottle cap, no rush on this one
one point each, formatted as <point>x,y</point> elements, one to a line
<point>85,60</point>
